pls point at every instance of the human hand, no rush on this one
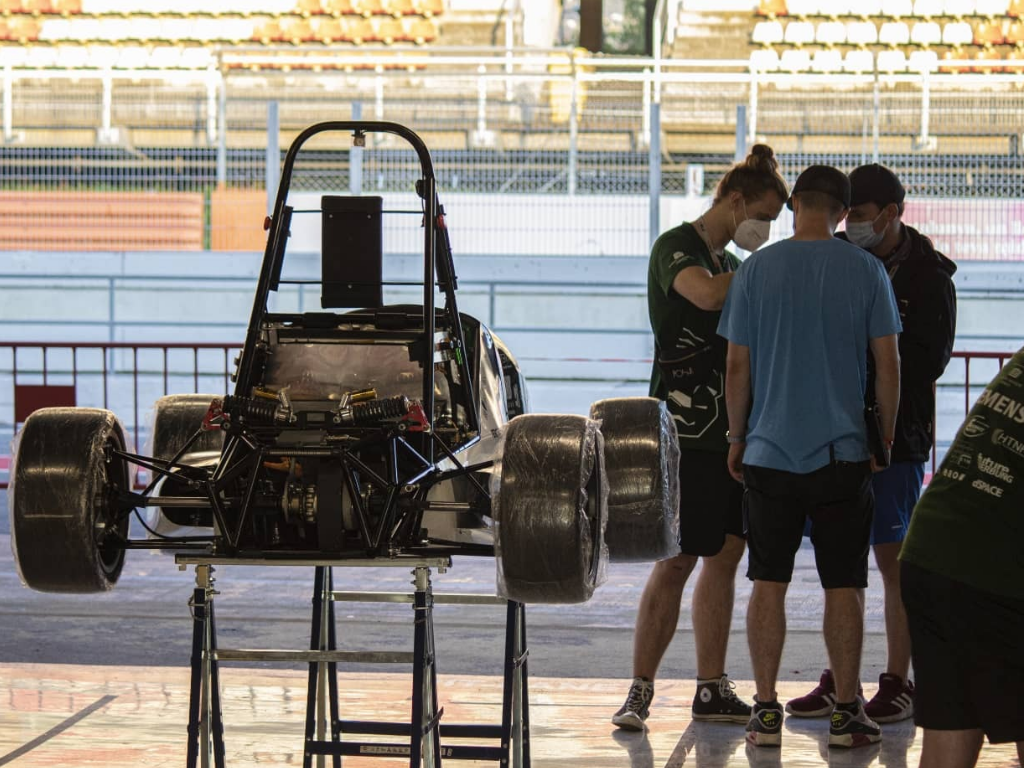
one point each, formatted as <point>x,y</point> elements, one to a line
<point>735,460</point>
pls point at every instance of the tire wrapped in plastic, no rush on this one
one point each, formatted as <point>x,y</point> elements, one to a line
<point>550,507</point>
<point>62,500</point>
<point>175,419</point>
<point>641,460</point>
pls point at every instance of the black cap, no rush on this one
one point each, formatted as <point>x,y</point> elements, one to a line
<point>822,178</point>
<point>876,184</point>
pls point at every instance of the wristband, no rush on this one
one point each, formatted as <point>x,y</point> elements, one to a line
<point>734,439</point>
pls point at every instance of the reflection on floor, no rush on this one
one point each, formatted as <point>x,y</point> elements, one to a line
<point>66,715</point>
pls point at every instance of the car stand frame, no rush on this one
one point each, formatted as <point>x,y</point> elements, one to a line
<point>324,727</point>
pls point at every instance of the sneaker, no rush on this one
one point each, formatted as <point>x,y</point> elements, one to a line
<point>632,714</point>
<point>716,700</point>
<point>851,727</point>
<point>764,729</point>
<point>894,700</point>
<point>820,701</point>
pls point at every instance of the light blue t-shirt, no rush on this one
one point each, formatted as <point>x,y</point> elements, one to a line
<point>807,310</point>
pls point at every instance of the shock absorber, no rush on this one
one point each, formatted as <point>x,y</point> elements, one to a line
<point>374,412</point>
<point>253,410</point>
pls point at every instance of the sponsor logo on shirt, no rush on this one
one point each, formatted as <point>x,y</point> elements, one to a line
<point>1015,376</point>
<point>989,488</point>
<point>1008,441</point>
<point>1003,405</point>
<point>994,469</point>
<point>976,426</point>
<point>952,474</point>
<point>678,255</point>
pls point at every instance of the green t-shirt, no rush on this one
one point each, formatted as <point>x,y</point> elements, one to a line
<point>969,523</point>
<point>679,326</point>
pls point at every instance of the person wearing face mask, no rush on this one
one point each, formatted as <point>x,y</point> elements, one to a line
<point>688,277</point>
<point>800,318</point>
<point>922,281</point>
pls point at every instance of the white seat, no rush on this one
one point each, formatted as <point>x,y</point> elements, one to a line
<point>196,57</point>
<point>799,33</point>
<point>804,7</point>
<point>132,57</point>
<point>830,33</point>
<point>767,33</point>
<point>898,9</point>
<point>41,57</point>
<point>71,57</point>
<point>959,8</point>
<point>926,33</point>
<point>957,33</point>
<point>165,57</point>
<point>795,60</point>
<point>892,61</point>
<point>102,56</point>
<point>765,60</point>
<point>827,60</point>
<point>992,7</point>
<point>859,61</point>
<point>14,55</point>
<point>894,33</point>
<point>861,33</point>
<point>923,61</point>
<point>867,9</point>
<point>928,8</point>
<point>55,29</point>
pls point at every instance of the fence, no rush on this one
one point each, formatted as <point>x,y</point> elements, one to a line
<point>128,378</point>
<point>514,131</point>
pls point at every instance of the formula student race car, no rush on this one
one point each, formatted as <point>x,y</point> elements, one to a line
<point>364,430</point>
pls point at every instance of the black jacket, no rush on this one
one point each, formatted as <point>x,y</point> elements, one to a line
<point>923,284</point>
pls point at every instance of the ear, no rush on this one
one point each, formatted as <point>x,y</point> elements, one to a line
<point>842,215</point>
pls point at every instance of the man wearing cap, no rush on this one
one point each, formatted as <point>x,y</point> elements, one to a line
<point>800,318</point>
<point>922,281</point>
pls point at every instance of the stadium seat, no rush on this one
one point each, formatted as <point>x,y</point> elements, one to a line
<point>830,33</point>
<point>431,8</point>
<point>390,31</point>
<point>331,30</point>
<point>894,33</point>
<point>898,9</point>
<point>399,8</point>
<point>892,61</point>
<point>422,31</point>
<point>987,54</point>
<point>1016,8</point>
<point>268,30</point>
<point>859,61</point>
<point>923,61</point>
<point>957,33</point>
<point>132,57</point>
<point>68,7</point>
<point>72,56</point>
<point>10,6</point>
<point>772,8</point>
<point>827,61</point>
<point>803,7</point>
<point>944,66</point>
<point>927,9</point>
<point>867,9</point>
<point>795,60</point>
<point>102,56</point>
<point>1015,33</point>
<point>297,31</point>
<point>989,33</point>
<point>925,33</point>
<point>992,8</point>
<point>369,7</point>
<point>38,6</point>
<point>764,60</point>
<point>861,33</point>
<point>309,7</point>
<point>13,55</point>
<point>959,9</point>
<point>799,33</point>
<point>361,31</point>
<point>165,57</point>
<point>767,33</point>
<point>23,29</point>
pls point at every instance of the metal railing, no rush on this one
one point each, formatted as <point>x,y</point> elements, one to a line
<point>128,377</point>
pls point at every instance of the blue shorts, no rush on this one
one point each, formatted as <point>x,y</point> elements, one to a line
<point>897,490</point>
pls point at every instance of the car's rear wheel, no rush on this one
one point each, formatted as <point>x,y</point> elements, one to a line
<point>550,510</point>
<point>641,458</point>
<point>66,522</point>
<point>176,419</point>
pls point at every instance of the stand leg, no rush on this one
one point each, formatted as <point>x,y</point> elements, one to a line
<point>425,733</point>
<point>205,725</point>
<point>216,718</point>
<point>523,653</point>
<point>332,667</point>
<point>314,667</point>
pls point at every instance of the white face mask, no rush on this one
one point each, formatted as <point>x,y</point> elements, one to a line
<point>863,233</point>
<point>751,234</point>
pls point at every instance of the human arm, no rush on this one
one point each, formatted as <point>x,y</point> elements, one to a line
<point>737,404</point>
<point>929,328</point>
<point>885,351</point>
<point>697,285</point>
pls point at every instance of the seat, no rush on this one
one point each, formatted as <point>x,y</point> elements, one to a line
<point>803,7</point>
<point>799,33</point>
<point>830,33</point>
<point>72,56</point>
<point>987,54</point>
<point>764,60</point>
<point>102,56</point>
<point>422,31</point>
<point>894,33</point>
<point>861,33</point>
<point>859,61</point>
<point>867,9</point>
<point>827,60</point>
<point>945,66</point>
<point>24,29</point>
<point>927,9</point>
<point>1015,8</point>
<point>959,9</point>
<point>767,33</point>
<point>923,61</point>
<point>892,61</point>
<point>431,8</point>
<point>331,30</point>
<point>38,6</point>
<point>991,8</point>
<point>399,8</point>
<point>297,31</point>
<point>989,33</point>
<point>898,9</point>
<point>360,31</point>
<point>925,33</point>
<point>772,8</point>
<point>268,31</point>
<point>390,30</point>
<point>795,60</point>
<point>309,7</point>
<point>1015,33</point>
<point>957,34</point>
<point>369,7</point>
<point>339,7</point>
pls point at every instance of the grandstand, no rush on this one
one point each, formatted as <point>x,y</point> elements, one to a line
<point>125,97</point>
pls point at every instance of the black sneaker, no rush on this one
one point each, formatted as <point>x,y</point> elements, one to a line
<point>716,700</point>
<point>632,714</point>
<point>764,729</point>
<point>851,727</point>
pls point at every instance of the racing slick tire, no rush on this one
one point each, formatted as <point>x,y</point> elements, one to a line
<point>175,419</point>
<point>65,521</point>
<point>641,460</point>
<point>551,509</point>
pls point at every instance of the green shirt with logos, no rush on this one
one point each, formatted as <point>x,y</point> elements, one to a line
<point>679,326</point>
<point>969,523</point>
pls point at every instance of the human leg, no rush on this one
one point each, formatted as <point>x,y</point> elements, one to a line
<point>844,636</point>
<point>712,607</point>
<point>766,634</point>
<point>951,749</point>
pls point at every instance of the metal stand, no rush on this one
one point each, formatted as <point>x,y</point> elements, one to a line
<point>324,728</point>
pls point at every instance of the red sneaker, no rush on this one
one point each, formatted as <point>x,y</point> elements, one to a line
<point>820,701</point>
<point>894,700</point>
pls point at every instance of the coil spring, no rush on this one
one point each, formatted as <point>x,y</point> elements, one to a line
<point>251,409</point>
<point>376,411</point>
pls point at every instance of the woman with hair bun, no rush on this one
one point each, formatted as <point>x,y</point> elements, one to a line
<point>687,281</point>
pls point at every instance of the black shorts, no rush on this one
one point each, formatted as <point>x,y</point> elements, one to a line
<point>839,503</point>
<point>966,647</point>
<point>710,503</point>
